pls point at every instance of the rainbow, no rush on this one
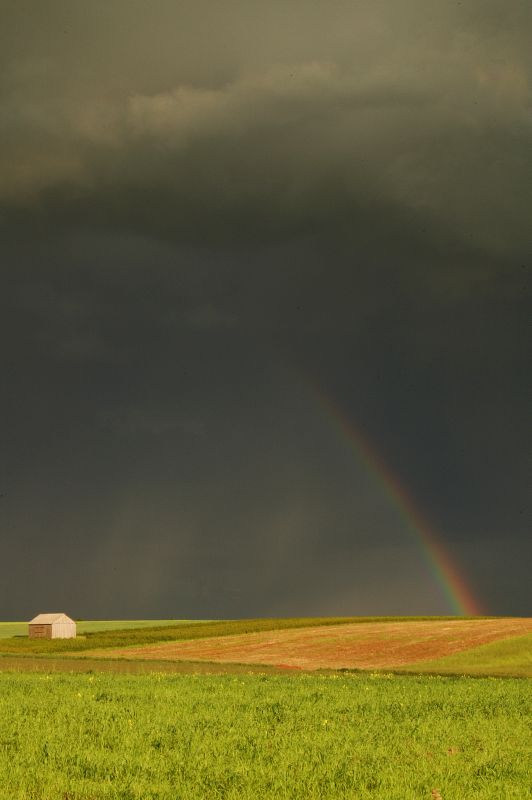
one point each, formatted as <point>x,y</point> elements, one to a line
<point>459,596</point>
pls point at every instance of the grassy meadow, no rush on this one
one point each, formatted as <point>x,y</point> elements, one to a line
<point>116,633</point>
<point>150,633</point>
<point>192,737</point>
<point>99,729</point>
<point>8,629</point>
<point>505,657</point>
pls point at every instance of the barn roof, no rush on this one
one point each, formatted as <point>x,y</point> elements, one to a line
<point>49,619</point>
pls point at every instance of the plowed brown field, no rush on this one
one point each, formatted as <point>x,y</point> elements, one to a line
<point>365,646</point>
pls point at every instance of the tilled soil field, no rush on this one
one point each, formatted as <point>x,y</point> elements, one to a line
<point>371,645</point>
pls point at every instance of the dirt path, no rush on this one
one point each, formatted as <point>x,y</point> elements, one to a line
<point>369,645</point>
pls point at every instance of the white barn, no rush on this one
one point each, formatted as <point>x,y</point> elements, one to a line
<point>52,626</point>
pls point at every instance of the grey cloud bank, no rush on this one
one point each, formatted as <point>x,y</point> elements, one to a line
<point>199,203</point>
<point>404,109</point>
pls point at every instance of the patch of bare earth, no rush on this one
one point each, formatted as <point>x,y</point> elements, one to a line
<point>365,646</point>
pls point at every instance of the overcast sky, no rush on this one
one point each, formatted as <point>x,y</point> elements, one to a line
<point>210,214</point>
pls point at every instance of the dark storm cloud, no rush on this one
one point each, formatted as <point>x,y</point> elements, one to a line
<point>398,120</point>
<point>205,209</point>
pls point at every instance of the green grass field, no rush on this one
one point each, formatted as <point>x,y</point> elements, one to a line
<point>152,632</point>
<point>8,629</point>
<point>253,737</point>
<point>87,729</point>
<point>115,634</point>
<point>510,658</point>
<point>505,657</point>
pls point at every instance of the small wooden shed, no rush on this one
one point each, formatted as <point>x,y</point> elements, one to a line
<point>52,626</point>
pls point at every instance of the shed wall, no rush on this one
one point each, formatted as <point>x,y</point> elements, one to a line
<point>63,630</point>
<point>40,631</point>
